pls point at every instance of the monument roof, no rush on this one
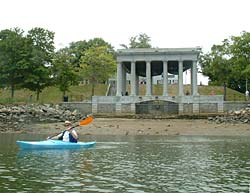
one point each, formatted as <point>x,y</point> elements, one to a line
<point>159,50</point>
<point>156,56</point>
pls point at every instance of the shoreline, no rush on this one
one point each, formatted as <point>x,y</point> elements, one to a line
<point>133,127</point>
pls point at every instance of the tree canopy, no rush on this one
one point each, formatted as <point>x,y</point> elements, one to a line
<point>14,57</point>
<point>29,61</point>
<point>229,63</point>
<point>64,73</point>
<point>77,49</point>
<point>38,75</point>
<point>98,64</point>
<point>140,41</point>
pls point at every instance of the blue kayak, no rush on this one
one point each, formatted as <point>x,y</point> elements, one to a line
<point>54,144</point>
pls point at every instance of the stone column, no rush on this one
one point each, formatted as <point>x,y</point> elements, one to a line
<point>165,78</point>
<point>133,79</point>
<point>137,85</point>
<point>151,86</point>
<point>180,79</point>
<point>148,79</point>
<point>119,79</point>
<point>124,80</point>
<point>194,78</point>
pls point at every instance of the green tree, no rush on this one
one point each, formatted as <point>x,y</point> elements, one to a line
<point>77,49</point>
<point>140,41</point>
<point>240,49</point>
<point>38,75</point>
<point>228,63</point>
<point>216,67</point>
<point>98,64</point>
<point>64,72</point>
<point>14,57</point>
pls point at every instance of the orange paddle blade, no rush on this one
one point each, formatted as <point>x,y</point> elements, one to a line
<point>86,121</point>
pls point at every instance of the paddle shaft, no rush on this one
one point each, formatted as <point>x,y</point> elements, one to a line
<point>50,137</point>
<point>85,121</point>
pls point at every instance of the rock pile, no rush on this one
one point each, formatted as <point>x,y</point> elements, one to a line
<point>16,116</point>
<point>240,116</point>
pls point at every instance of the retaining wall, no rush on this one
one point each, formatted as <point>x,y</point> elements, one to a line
<point>154,107</point>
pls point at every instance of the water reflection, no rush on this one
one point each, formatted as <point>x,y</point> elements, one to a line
<point>124,164</point>
<point>52,170</point>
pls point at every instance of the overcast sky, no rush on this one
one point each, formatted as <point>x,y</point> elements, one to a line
<point>169,23</point>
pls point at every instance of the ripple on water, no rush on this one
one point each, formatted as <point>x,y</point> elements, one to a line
<point>179,164</point>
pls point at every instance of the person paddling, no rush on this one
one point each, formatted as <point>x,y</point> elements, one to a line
<point>68,135</point>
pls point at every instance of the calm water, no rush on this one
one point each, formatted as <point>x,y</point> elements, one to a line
<point>128,164</point>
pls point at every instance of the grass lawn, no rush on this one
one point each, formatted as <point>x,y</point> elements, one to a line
<point>83,92</point>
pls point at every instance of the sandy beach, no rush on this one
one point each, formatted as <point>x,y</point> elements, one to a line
<point>165,127</point>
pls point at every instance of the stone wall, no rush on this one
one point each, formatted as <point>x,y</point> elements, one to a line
<point>126,108</point>
<point>236,105</point>
<point>83,107</point>
<point>157,107</point>
<point>208,108</point>
<point>115,105</point>
<point>106,108</point>
<point>187,108</point>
